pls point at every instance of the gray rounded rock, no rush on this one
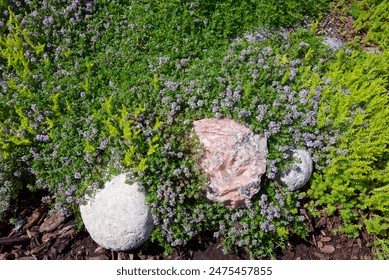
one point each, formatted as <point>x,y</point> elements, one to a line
<point>299,173</point>
<point>333,44</point>
<point>117,217</point>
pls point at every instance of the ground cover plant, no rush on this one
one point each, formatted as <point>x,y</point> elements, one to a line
<point>93,88</point>
<point>371,16</point>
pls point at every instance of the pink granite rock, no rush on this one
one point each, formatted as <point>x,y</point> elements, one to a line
<point>234,159</point>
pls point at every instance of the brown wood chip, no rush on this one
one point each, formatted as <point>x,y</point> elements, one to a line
<point>325,239</point>
<point>13,240</point>
<point>67,231</point>
<point>35,217</point>
<point>100,250</point>
<point>318,255</point>
<point>321,222</point>
<point>52,222</point>
<point>98,257</point>
<point>31,234</point>
<point>4,256</point>
<point>40,248</point>
<point>359,242</point>
<point>328,249</point>
<point>61,243</point>
<point>26,258</point>
<point>47,236</point>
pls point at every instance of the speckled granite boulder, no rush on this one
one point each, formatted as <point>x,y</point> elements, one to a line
<point>117,217</point>
<point>299,173</point>
<point>234,160</point>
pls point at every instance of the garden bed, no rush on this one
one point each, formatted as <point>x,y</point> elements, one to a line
<point>91,89</point>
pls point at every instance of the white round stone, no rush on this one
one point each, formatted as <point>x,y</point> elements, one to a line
<point>299,173</point>
<point>117,217</point>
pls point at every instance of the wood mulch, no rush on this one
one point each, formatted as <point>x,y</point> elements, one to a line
<point>40,234</point>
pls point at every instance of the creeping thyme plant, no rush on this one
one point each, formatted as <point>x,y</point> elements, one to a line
<point>90,89</point>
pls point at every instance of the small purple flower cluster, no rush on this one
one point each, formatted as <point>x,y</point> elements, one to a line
<point>267,214</point>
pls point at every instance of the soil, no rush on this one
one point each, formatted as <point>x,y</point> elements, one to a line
<point>40,234</point>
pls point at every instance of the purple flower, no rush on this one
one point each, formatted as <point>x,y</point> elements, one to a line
<point>42,138</point>
<point>266,51</point>
<point>89,7</point>
<point>293,73</point>
<point>48,20</point>
<point>177,172</point>
<point>295,62</point>
<point>244,113</point>
<point>303,44</point>
<point>262,111</point>
<point>301,218</point>
<point>218,115</point>
<point>264,226</point>
<point>271,228</point>
<point>103,144</point>
<point>274,127</point>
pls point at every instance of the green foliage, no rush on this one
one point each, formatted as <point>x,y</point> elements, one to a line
<point>276,13</point>
<point>379,227</point>
<point>17,130</point>
<point>356,104</point>
<point>93,90</point>
<point>372,16</point>
<point>113,93</point>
